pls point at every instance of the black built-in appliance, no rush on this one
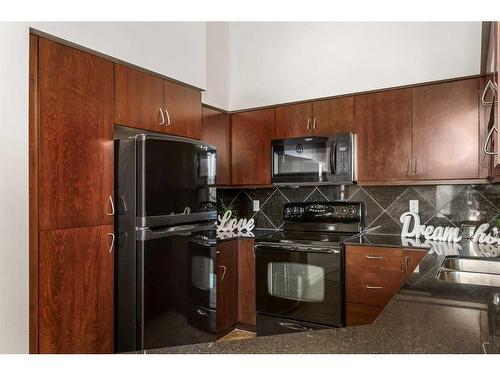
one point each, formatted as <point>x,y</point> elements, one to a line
<point>166,250</point>
<point>300,272</point>
<point>314,160</point>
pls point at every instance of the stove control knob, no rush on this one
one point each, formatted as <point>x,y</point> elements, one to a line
<point>352,211</point>
<point>343,210</point>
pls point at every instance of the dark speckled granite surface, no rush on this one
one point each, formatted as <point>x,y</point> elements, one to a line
<point>426,316</point>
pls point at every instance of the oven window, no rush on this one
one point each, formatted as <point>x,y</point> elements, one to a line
<point>300,158</point>
<point>296,281</point>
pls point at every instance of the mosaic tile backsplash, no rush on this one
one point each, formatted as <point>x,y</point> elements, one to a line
<point>446,205</point>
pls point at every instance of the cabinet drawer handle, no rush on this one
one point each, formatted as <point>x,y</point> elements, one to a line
<point>374,287</point>
<point>374,257</point>
<point>112,213</point>
<point>308,123</point>
<point>223,272</point>
<point>112,242</point>
<point>314,124</point>
<point>162,117</point>
<point>168,117</point>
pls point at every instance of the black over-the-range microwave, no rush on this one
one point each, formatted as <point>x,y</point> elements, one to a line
<point>314,160</point>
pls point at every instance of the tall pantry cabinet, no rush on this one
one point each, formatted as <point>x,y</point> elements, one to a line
<point>71,200</point>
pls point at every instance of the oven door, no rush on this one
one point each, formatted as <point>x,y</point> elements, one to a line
<point>176,285</point>
<point>300,283</point>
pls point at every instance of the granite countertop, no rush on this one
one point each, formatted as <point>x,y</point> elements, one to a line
<point>426,316</point>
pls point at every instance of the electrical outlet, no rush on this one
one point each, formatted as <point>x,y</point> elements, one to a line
<point>414,206</point>
<point>256,205</point>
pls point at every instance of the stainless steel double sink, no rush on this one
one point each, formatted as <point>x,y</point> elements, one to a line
<point>485,272</point>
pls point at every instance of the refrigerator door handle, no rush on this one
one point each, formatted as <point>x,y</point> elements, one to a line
<point>148,234</point>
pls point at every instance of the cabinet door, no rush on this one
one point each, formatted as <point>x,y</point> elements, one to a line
<point>333,116</point>
<point>138,99</point>
<point>445,131</point>
<point>383,126</point>
<point>76,290</point>
<point>216,130</point>
<point>251,135</point>
<point>75,137</point>
<point>227,285</point>
<point>294,120</point>
<point>182,109</point>
<point>246,282</point>
<point>496,49</point>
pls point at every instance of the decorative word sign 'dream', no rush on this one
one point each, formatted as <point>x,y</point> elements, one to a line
<point>226,224</point>
<point>429,232</point>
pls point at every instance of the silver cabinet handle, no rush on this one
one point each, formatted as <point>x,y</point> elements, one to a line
<point>168,117</point>
<point>487,141</point>
<point>406,264</point>
<point>112,213</point>
<point>308,123</point>
<point>407,168</point>
<point>314,124</point>
<point>294,326</point>
<point>374,257</point>
<point>415,168</point>
<point>223,272</point>
<point>374,287</point>
<point>162,116</point>
<point>489,86</point>
<point>112,241</point>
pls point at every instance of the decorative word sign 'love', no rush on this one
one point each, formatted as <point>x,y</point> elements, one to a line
<point>226,224</point>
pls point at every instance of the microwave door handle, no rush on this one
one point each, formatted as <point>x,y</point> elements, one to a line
<point>333,158</point>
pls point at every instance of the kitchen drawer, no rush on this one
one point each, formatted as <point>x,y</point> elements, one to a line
<point>359,314</point>
<point>372,286</point>
<point>387,258</point>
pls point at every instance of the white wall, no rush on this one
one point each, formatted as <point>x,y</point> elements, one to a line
<point>217,93</point>
<point>174,49</point>
<point>13,188</point>
<point>272,62</point>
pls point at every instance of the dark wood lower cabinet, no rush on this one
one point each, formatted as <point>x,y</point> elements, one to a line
<point>235,285</point>
<point>246,282</point>
<point>373,276</point>
<point>227,286</point>
<point>76,290</point>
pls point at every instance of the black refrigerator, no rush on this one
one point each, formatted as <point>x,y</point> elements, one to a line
<point>165,265</point>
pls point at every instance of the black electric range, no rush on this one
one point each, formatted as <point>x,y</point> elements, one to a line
<point>300,271</point>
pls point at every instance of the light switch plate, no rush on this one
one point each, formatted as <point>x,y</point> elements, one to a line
<point>256,205</point>
<point>414,206</point>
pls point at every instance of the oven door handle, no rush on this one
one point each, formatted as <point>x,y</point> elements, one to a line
<point>294,326</point>
<point>309,249</point>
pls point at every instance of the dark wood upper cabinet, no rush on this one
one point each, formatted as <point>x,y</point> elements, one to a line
<point>227,285</point>
<point>76,290</point>
<point>75,137</point>
<point>251,135</point>
<point>294,120</point>
<point>383,127</point>
<point>216,130</point>
<point>182,110</point>
<point>333,116</point>
<point>445,131</point>
<point>138,99</point>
